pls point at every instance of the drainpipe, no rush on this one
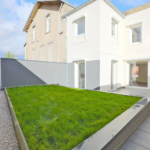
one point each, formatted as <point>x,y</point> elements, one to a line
<point>59,31</point>
<point>67,82</point>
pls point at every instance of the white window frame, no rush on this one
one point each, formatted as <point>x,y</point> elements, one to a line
<point>115,22</point>
<point>139,24</point>
<point>48,18</point>
<point>76,26</point>
<point>33,33</point>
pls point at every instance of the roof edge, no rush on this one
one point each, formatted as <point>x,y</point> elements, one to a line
<point>115,8</point>
<point>136,8</point>
<point>40,1</point>
<point>78,8</point>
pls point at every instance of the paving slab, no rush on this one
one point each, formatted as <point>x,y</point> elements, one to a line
<point>8,139</point>
<point>140,139</point>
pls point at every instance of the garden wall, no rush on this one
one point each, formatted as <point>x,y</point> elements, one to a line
<point>27,72</point>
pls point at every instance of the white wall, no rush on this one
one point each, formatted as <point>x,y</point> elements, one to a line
<point>141,49</point>
<point>88,48</point>
<point>111,48</point>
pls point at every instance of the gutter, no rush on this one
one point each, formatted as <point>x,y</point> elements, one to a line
<point>59,31</point>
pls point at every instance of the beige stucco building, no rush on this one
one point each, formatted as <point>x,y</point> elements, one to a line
<point>46,31</point>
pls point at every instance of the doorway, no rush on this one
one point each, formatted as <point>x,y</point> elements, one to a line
<point>113,75</point>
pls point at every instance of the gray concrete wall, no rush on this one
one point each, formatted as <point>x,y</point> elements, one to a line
<point>93,75</point>
<point>23,72</point>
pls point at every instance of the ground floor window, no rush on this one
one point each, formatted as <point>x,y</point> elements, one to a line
<point>138,74</point>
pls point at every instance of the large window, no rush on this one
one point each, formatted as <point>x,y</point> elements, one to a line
<point>138,74</point>
<point>114,28</point>
<point>80,26</point>
<point>33,33</point>
<point>48,23</point>
<point>136,34</point>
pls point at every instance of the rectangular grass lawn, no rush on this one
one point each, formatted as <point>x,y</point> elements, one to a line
<point>59,118</point>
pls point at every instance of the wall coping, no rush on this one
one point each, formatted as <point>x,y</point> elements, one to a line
<point>21,139</point>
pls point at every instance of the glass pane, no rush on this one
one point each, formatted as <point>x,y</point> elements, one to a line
<point>113,29</point>
<point>82,75</point>
<point>136,34</point>
<point>81,26</point>
<point>138,74</point>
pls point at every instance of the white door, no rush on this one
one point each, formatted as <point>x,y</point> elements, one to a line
<point>81,75</point>
<point>42,54</point>
<point>114,75</point>
<point>50,53</point>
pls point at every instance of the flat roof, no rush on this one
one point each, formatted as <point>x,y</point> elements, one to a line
<point>137,9</point>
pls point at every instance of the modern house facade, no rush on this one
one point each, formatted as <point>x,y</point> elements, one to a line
<point>46,32</point>
<point>98,31</point>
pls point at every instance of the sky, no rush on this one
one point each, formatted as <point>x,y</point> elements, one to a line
<point>14,14</point>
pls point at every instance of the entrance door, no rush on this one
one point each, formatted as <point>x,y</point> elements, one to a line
<point>81,75</point>
<point>114,75</point>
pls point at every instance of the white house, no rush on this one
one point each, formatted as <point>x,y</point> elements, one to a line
<point>97,30</point>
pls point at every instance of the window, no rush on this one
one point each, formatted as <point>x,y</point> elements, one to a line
<point>80,26</point>
<point>33,54</point>
<point>48,23</point>
<point>33,33</point>
<point>42,53</point>
<point>114,28</point>
<point>136,34</point>
<point>50,52</point>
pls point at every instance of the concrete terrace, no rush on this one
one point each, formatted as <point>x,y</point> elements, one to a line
<point>140,139</point>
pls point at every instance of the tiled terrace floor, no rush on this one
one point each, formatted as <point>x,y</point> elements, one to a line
<point>140,139</point>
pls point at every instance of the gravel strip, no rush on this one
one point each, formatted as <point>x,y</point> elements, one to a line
<point>8,139</point>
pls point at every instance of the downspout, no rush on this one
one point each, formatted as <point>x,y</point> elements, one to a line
<point>67,82</point>
<point>59,31</point>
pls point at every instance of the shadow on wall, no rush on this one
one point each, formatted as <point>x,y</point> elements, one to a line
<point>15,74</point>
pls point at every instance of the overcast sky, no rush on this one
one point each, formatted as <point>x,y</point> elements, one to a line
<point>14,14</point>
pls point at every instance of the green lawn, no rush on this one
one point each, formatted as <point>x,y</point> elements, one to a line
<point>59,118</point>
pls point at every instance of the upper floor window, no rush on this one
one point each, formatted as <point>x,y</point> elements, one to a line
<point>80,26</point>
<point>135,33</point>
<point>33,33</point>
<point>48,23</point>
<point>114,26</point>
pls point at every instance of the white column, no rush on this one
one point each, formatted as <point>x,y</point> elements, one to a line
<point>114,75</point>
<point>127,74</point>
<point>149,74</point>
<point>76,74</point>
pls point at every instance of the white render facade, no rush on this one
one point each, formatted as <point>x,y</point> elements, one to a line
<point>97,30</point>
